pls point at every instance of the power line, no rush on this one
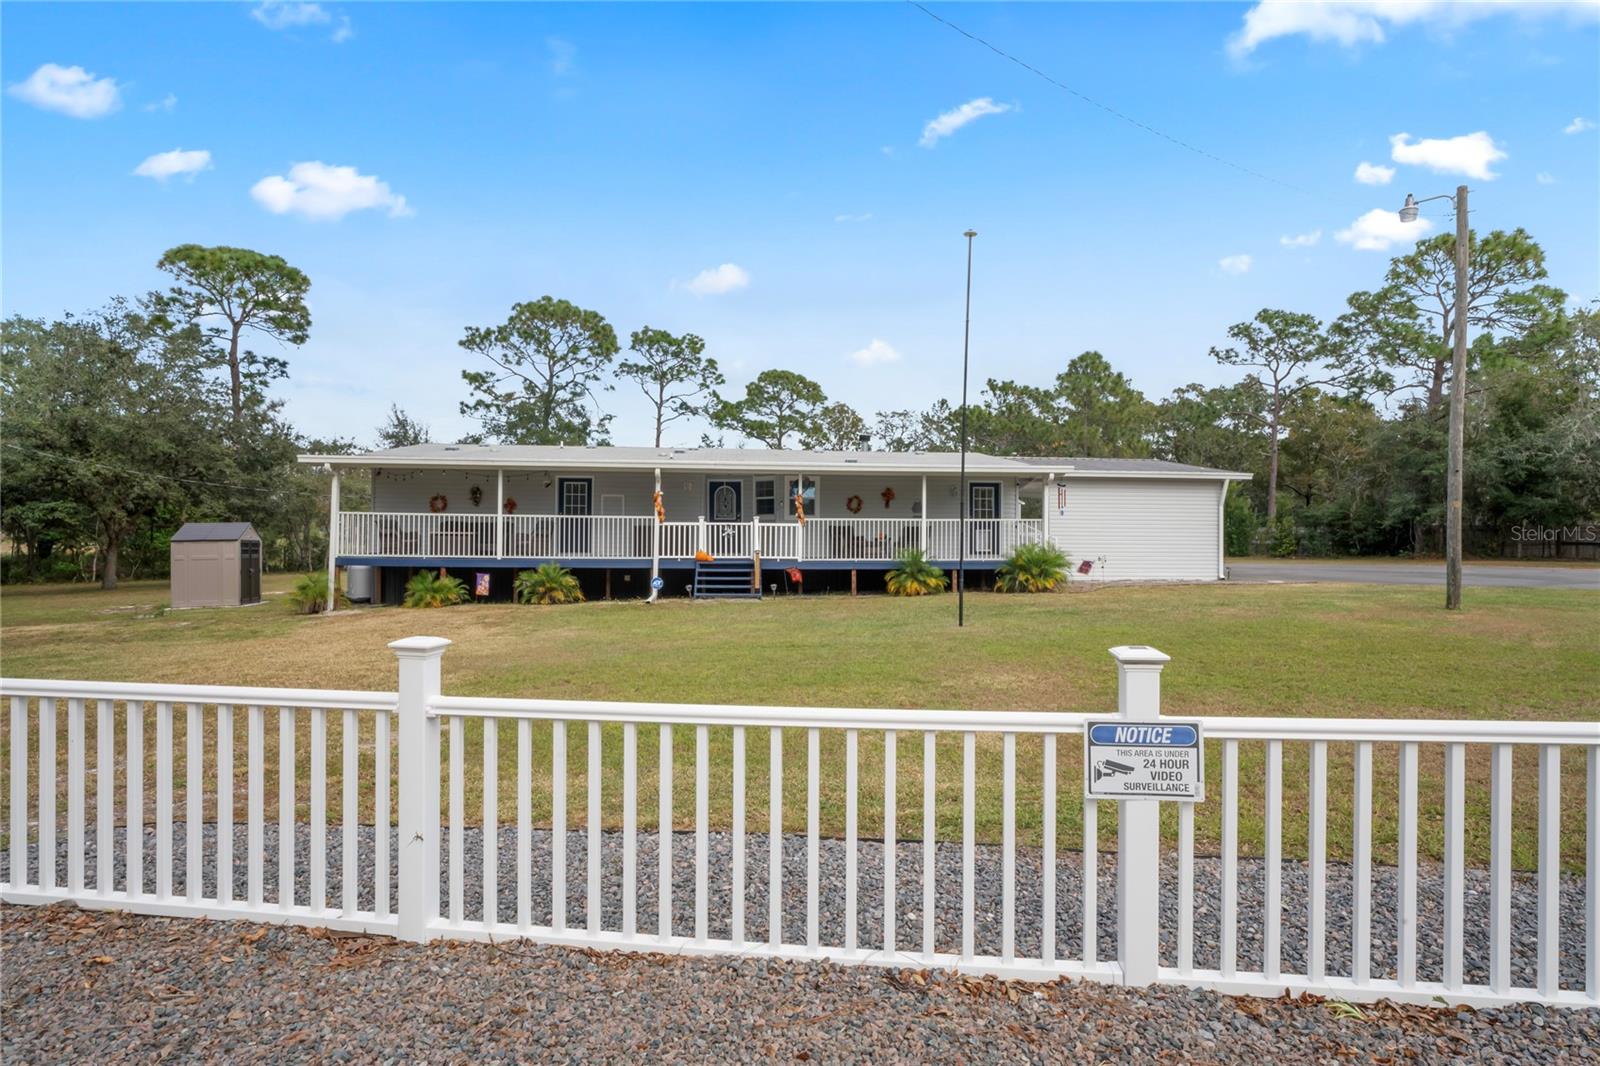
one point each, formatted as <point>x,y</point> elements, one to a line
<point>1107,108</point>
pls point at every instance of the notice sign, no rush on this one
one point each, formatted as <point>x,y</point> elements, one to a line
<point>1143,760</point>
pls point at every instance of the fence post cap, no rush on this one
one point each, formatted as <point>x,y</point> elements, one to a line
<point>1139,655</point>
<point>419,646</point>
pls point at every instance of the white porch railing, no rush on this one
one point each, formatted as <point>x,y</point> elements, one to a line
<point>475,536</point>
<point>1521,946</point>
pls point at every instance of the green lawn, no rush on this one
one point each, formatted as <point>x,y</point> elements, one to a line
<point>1306,650</point>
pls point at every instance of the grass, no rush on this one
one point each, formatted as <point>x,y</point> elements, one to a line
<point>1307,650</point>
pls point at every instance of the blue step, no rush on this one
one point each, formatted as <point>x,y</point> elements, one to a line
<point>725,579</point>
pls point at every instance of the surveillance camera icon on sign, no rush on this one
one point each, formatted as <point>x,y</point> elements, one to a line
<point>1109,768</point>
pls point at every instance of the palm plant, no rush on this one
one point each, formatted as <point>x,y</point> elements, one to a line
<point>430,589</point>
<point>551,583</point>
<point>1032,568</point>
<point>310,594</point>
<point>913,575</point>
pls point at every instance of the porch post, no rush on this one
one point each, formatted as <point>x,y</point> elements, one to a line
<point>922,532</point>
<point>1044,507</point>
<point>700,535</point>
<point>333,545</point>
<point>499,514</point>
<point>655,539</point>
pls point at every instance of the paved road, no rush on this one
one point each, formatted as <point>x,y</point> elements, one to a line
<point>1431,573</point>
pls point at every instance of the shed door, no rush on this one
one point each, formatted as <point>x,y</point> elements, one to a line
<point>249,571</point>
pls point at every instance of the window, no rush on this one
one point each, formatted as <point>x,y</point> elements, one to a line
<point>766,497</point>
<point>810,496</point>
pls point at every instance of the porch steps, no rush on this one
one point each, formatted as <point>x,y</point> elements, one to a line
<point>726,579</point>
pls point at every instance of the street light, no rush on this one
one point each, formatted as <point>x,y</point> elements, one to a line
<point>1458,392</point>
<point>961,531</point>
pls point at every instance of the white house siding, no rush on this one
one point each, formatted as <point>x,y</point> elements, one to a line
<point>1136,529</point>
<point>684,493</point>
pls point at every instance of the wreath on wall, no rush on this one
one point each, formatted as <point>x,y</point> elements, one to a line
<point>477,495</point>
<point>853,505</point>
<point>511,505</point>
<point>438,503</point>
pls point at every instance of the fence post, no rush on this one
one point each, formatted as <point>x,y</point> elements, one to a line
<point>417,780</point>
<point>1138,827</point>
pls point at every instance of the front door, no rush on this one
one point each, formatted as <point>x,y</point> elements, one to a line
<point>726,501</point>
<point>983,509</point>
<point>575,502</point>
<point>725,508</point>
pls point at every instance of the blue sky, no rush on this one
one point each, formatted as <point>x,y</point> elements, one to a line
<point>790,157</point>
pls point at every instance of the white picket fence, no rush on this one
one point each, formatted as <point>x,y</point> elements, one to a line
<point>417,739</point>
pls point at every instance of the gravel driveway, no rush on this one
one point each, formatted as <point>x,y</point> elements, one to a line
<point>108,987</point>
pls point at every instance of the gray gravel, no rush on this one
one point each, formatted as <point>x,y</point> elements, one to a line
<point>909,897</point>
<point>108,987</point>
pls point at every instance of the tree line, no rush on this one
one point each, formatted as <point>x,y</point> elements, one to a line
<point>124,422</point>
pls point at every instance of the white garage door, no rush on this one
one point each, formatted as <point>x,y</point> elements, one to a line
<point>1137,529</point>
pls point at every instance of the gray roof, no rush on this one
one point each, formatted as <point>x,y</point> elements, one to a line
<point>1118,466</point>
<point>215,531</point>
<point>753,460</point>
<point>541,456</point>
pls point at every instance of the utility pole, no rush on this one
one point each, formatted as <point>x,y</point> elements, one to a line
<point>1458,414</point>
<point>961,530</point>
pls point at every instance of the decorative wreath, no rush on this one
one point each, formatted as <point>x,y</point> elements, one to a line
<point>438,503</point>
<point>477,495</point>
<point>888,497</point>
<point>853,505</point>
<point>511,505</point>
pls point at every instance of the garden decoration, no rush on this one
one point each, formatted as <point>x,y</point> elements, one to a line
<point>853,505</point>
<point>704,557</point>
<point>888,497</point>
<point>476,492</point>
<point>661,510</point>
<point>799,507</point>
<point>438,503</point>
<point>511,505</point>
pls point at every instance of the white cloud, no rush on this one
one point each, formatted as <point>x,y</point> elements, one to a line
<point>1578,125</point>
<point>289,14</point>
<point>69,90</point>
<point>1373,174</point>
<point>563,56</point>
<point>1376,230</point>
<point>1357,22</point>
<point>956,117</point>
<point>344,31</point>
<point>715,281</point>
<point>1544,178</point>
<point>875,354</point>
<point>1471,154</point>
<point>1301,240</point>
<point>325,193</point>
<point>863,217</point>
<point>164,165</point>
<point>1235,264</point>
<point>166,103</point>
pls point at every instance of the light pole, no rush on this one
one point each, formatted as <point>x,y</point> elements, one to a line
<point>961,531</point>
<point>1458,393</point>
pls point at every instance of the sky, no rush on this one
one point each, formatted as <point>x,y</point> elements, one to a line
<point>790,182</point>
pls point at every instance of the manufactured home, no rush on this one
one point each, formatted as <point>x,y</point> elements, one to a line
<point>708,520</point>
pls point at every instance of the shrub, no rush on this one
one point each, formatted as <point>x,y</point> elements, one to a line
<point>1032,568</point>
<point>913,575</point>
<point>1284,540</point>
<point>310,594</point>
<point>430,589</point>
<point>551,583</point>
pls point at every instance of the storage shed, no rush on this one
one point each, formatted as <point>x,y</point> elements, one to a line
<point>216,564</point>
